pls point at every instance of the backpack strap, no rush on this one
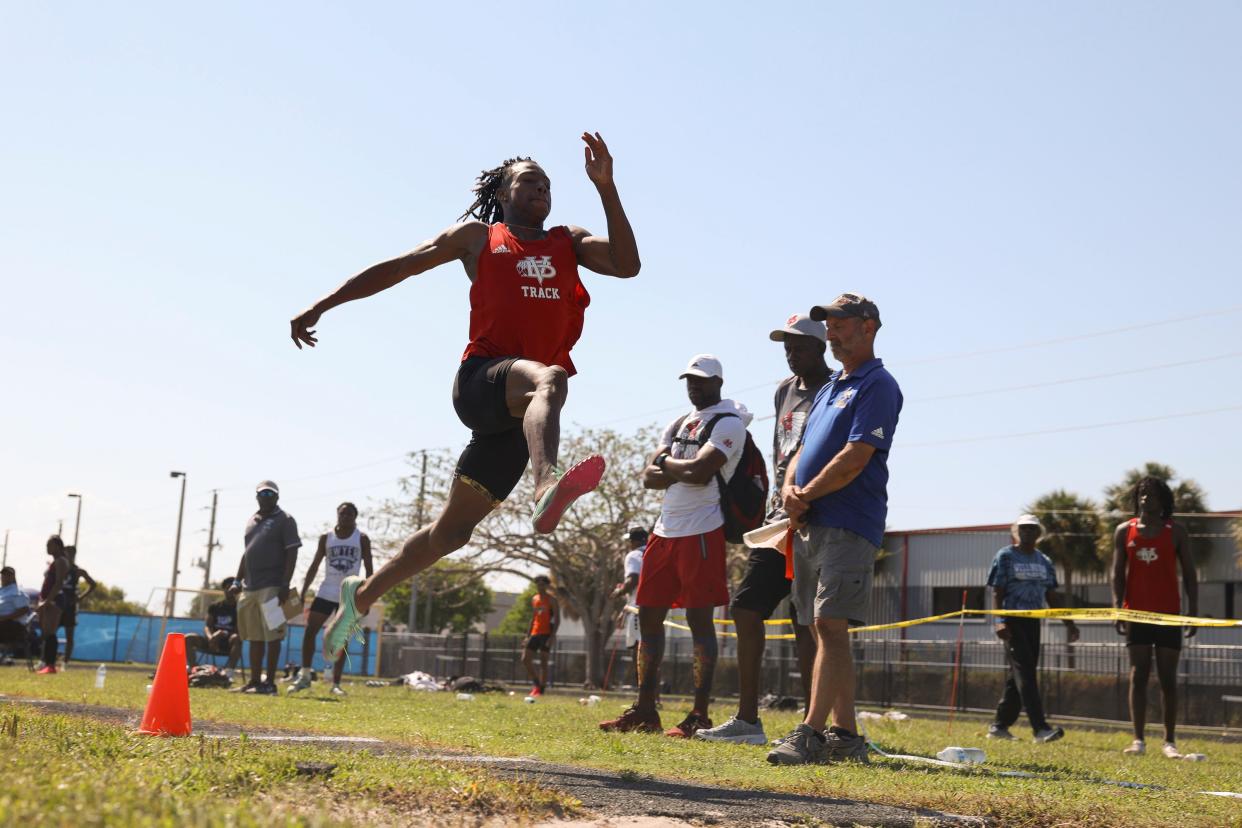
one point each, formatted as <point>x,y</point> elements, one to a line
<point>707,433</point>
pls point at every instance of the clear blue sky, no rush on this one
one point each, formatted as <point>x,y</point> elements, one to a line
<point>178,182</point>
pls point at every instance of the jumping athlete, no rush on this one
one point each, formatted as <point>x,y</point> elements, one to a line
<point>345,549</point>
<point>527,305</point>
<point>1146,552</point>
<point>543,626</point>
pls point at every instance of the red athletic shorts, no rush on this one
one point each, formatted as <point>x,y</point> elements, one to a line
<point>684,572</point>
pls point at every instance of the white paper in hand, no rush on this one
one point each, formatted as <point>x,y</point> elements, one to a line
<point>771,536</point>
<point>273,615</point>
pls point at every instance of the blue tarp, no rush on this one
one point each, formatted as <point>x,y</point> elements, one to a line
<point>108,637</point>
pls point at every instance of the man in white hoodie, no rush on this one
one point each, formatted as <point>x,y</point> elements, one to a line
<point>684,563</point>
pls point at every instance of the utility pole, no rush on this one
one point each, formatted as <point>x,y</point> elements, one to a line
<point>60,528</point>
<point>172,593</point>
<point>77,523</point>
<point>418,518</point>
<point>6,549</point>
<point>211,539</point>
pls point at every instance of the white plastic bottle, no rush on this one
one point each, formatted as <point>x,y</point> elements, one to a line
<point>962,755</point>
<point>101,675</point>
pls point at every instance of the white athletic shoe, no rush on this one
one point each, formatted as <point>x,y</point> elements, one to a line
<point>1137,748</point>
<point>337,691</point>
<point>303,682</point>
<point>737,731</point>
<point>1049,734</point>
<point>1170,751</point>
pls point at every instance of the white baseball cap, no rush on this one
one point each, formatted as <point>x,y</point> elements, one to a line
<point>1028,520</point>
<point>703,365</point>
<point>800,325</point>
<point>267,486</point>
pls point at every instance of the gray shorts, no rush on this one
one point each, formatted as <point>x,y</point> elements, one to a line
<point>833,570</point>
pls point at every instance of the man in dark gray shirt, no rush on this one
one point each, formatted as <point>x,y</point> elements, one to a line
<point>265,571</point>
<point>764,586</point>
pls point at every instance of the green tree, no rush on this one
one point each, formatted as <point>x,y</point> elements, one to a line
<point>1188,499</point>
<point>104,598</point>
<point>517,619</point>
<point>451,596</point>
<point>198,607</point>
<point>1071,526</point>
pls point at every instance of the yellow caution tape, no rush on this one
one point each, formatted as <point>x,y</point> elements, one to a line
<point>1060,613</point>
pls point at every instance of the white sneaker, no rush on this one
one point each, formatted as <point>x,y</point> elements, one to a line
<point>1137,748</point>
<point>1170,751</point>
<point>303,682</point>
<point>337,691</point>
<point>998,732</point>
<point>737,731</point>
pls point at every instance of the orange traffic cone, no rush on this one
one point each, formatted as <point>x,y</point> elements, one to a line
<point>168,707</point>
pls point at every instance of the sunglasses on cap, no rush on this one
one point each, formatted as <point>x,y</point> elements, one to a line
<point>266,493</point>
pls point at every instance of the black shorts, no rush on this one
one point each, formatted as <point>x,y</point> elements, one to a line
<point>324,605</point>
<point>764,585</point>
<point>539,643</point>
<point>1153,635</point>
<point>496,455</point>
<point>69,615</point>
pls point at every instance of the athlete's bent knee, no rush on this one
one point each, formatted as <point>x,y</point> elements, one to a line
<point>553,381</point>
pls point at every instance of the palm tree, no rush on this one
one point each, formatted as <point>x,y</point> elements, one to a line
<point>1071,525</point>
<point>1118,505</point>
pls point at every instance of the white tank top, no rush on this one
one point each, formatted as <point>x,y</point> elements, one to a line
<point>344,557</point>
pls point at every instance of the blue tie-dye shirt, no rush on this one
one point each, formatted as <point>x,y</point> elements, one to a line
<point>1025,578</point>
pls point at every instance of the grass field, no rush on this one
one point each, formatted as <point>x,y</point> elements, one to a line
<point>558,729</point>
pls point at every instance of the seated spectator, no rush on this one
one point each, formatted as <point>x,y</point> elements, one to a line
<point>219,630</point>
<point>14,610</point>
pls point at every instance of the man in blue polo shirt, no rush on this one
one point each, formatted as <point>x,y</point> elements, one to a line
<point>836,490</point>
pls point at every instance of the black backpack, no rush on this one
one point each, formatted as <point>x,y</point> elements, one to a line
<point>744,496</point>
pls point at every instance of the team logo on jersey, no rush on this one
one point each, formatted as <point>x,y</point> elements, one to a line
<point>501,248</point>
<point>538,268</point>
<point>1147,554</point>
<point>844,399</point>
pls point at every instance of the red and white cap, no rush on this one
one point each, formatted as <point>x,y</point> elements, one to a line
<point>800,325</point>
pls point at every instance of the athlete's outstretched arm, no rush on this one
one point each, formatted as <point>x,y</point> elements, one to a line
<point>456,243</point>
<point>616,255</point>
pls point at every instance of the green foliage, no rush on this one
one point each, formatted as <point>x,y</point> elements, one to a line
<point>517,620</point>
<point>451,596</point>
<point>104,598</point>
<point>198,607</point>
<point>1118,506</point>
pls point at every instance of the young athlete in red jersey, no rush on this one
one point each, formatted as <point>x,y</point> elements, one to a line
<point>1146,552</point>
<point>526,312</point>
<point>545,620</point>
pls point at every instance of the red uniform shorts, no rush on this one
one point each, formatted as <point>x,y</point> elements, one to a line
<point>684,572</point>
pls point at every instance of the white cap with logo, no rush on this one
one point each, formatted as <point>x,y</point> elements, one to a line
<point>267,486</point>
<point>1028,520</point>
<point>703,365</point>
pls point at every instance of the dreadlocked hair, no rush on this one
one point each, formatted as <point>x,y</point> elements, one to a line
<point>1163,493</point>
<point>486,206</point>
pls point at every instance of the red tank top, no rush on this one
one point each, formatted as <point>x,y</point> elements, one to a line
<point>1151,571</point>
<point>541,623</point>
<point>526,299</point>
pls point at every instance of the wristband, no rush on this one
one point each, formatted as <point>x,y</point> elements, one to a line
<point>661,460</point>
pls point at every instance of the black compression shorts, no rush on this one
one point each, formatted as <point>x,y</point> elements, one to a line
<point>1153,635</point>
<point>323,605</point>
<point>496,455</point>
<point>764,585</point>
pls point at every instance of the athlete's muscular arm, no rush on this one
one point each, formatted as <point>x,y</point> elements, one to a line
<point>617,254</point>
<point>366,556</point>
<point>653,476</point>
<point>460,242</point>
<point>1190,579</point>
<point>90,584</point>
<point>320,552</point>
<point>699,469</point>
<point>1119,572</point>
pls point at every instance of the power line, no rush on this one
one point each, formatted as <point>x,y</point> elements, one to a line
<point>1066,429</point>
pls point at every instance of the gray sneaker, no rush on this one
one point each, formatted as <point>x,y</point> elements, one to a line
<point>738,731</point>
<point>802,747</point>
<point>1049,734</point>
<point>303,682</point>
<point>843,746</point>
<point>998,732</point>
